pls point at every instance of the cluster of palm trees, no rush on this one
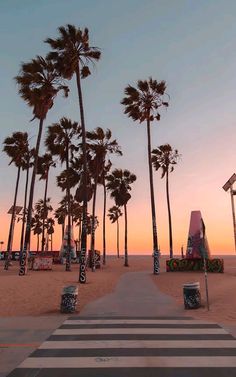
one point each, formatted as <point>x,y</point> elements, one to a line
<point>84,155</point>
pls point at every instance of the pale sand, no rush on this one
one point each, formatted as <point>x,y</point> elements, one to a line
<point>39,292</point>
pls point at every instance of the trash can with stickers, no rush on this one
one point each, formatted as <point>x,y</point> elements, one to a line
<point>192,296</point>
<point>69,299</point>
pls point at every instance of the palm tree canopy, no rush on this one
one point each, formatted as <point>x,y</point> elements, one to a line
<point>164,158</point>
<point>118,183</point>
<point>76,210</point>
<point>50,225</point>
<point>71,50</point>
<point>60,137</point>
<point>17,148</point>
<point>99,145</point>
<point>143,103</point>
<point>89,221</point>
<point>36,224</point>
<point>39,83</point>
<point>44,164</point>
<point>114,213</point>
<point>66,176</point>
<point>40,210</point>
<point>61,212</point>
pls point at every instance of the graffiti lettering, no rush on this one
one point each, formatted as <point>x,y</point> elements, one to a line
<point>212,265</point>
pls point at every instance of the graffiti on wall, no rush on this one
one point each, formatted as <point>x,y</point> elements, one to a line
<point>42,263</point>
<point>97,259</point>
<point>212,265</point>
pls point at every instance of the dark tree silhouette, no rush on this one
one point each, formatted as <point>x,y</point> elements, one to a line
<point>27,164</point>
<point>164,158</point>
<point>114,213</point>
<point>119,185</point>
<point>16,147</point>
<point>45,162</point>
<point>142,104</point>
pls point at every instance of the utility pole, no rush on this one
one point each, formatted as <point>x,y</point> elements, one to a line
<point>229,185</point>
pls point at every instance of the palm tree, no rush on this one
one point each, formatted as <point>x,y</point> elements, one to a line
<point>114,213</point>
<point>164,158</point>
<point>105,172</point>
<point>59,141</point>
<point>77,212</point>
<point>73,54</point>
<point>27,164</point>
<point>100,146</point>
<point>60,214</point>
<point>118,183</point>
<point>39,83</point>
<point>142,104</point>
<point>45,162</point>
<point>36,227</point>
<point>50,230</point>
<point>16,147</point>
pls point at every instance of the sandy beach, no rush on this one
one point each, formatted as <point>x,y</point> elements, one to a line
<point>38,293</point>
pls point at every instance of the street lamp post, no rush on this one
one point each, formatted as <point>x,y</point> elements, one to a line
<point>229,185</point>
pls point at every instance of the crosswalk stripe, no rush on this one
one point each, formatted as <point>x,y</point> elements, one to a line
<point>138,331</point>
<point>129,362</point>
<point>141,352</point>
<point>135,322</point>
<point>95,344</point>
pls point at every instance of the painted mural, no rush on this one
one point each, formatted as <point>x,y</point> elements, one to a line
<point>42,263</point>
<point>64,246</point>
<point>212,265</point>
<point>197,244</point>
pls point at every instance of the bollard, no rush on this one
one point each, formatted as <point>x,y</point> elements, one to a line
<point>69,299</point>
<point>192,296</point>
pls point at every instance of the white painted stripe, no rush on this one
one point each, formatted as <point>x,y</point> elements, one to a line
<point>134,322</point>
<point>129,362</point>
<point>80,344</point>
<point>137,331</point>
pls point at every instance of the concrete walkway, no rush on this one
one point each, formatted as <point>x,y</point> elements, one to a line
<point>135,295</point>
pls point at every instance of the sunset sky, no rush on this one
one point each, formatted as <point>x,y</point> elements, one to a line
<point>189,44</point>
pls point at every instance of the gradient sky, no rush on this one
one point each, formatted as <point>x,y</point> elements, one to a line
<point>190,45</point>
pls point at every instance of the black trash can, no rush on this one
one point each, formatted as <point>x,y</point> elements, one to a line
<point>69,299</point>
<point>192,296</point>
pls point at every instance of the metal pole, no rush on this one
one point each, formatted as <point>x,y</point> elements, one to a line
<point>233,213</point>
<point>206,283</point>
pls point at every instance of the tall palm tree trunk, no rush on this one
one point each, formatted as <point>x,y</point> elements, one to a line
<point>13,218</point>
<point>44,210</point>
<point>24,256</point>
<point>24,210</point>
<point>104,221</point>
<point>93,261</point>
<point>68,251</point>
<point>169,214</point>
<point>82,271</point>
<point>63,230</point>
<point>80,231</point>
<point>126,244</point>
<point>37,243</point>
<point>118,239</point>
<point>156,266</point>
